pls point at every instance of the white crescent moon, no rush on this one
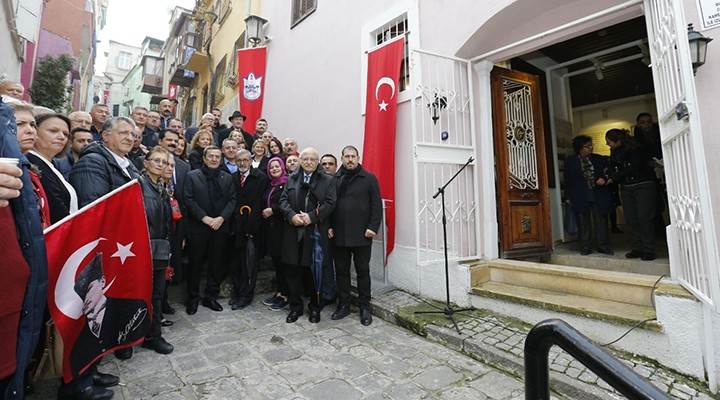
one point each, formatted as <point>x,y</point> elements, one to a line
<point>385,81</point>
<point>66,300</point>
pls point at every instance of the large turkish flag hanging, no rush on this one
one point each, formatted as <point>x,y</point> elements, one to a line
<point>100,278</point>
<point>251,73</point>
<point>380,121</point>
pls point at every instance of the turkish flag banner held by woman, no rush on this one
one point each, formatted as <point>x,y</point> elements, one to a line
<point>380,120</point>
<point>251,77</point>
<point>100,278</point>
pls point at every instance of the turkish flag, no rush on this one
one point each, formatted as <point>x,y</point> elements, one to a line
<point>251,70</point>
<point>100,278</point>
<point>380,122</point>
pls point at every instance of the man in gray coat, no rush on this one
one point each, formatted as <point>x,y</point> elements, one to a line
<point>354,223</point>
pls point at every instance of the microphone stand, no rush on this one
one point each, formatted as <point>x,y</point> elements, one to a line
<point>448,310</point>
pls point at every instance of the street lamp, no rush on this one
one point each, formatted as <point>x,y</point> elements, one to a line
<point>253,29</point>
<point>698,47</point>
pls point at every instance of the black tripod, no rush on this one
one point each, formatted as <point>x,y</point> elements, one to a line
<point>448,310</point>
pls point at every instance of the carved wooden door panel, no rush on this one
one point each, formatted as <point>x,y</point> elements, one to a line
<point>523,200</point>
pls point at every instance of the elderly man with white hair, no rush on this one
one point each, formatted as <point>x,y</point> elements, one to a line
<point>207,119</point>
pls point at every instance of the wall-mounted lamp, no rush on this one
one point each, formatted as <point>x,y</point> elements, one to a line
<point>438,104</point>
<point>698,47</point>
<point>254,29</point>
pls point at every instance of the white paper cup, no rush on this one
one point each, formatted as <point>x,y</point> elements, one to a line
<point>13,161</point>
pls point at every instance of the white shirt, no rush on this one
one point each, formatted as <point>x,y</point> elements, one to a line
<point>68,187</point>
<point>122,161</point>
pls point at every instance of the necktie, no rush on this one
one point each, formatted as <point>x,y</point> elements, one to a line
<point>242,180</point>
<point>307,178</point>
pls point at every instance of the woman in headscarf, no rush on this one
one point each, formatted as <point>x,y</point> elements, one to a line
<point>274,225</point>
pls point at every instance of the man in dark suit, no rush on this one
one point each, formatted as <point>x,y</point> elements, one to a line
<point>210,199</point>
<point>250,185</point>
<point>587,192</point>
<point>307,203</point>
<point>237,119</point>
<point>355,222</point>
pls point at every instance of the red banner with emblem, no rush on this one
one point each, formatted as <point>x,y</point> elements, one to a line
<point>100,278</point>
<point>380,123</point>
<point>251,77</point>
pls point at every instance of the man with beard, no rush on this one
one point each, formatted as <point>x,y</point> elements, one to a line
<point>210,199</point>
<point>355,222</point>
<point>307,203</point>
<point>250,185</point>
<point>165,107</point>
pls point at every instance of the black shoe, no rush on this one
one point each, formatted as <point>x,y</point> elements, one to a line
<point>271,300</point>
<point>634,254</point>
<point>605,250</point>
<point>89,393</point>
<point>365,317</point>
<point>124,354</point>
<point>293,316</point>
<point>105,380</point>
<point>166,309</point>
<point>648,256</point>
<point>585,251</point>
<point>159,345</point>
<point>314,316</point>
<point>240,304</point>
<point>342,311</point>
<point>166,322</point>
<point>212,304</point>
<point>192,307</point>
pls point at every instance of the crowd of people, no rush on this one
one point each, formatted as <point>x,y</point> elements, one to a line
<point>592,181</point>
<point>221,195</point>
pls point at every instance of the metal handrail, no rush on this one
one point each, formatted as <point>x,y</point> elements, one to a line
<point>613,371</point>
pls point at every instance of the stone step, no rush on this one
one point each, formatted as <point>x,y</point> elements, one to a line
<point>617,263</point>
<point>615,297</point>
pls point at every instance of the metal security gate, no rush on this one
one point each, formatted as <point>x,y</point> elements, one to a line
<point>691,237</point>
<point>443,126</point>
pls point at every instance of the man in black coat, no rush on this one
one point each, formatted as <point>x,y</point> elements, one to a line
<point>210,201</point>
<point>306,203</point>
<point>237,119</point>
<point>355,222</point>
<point>250,186</point>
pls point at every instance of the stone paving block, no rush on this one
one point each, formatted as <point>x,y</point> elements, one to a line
<point>330,333</point>
<point>189,362</point>
<point>314,347</point>
<point>225,353</point>
<point>573,372</point>
<point>347,366</point>
<point>175,395</point>
<point>422,360</point>
<point>393,367</point>
<point>462,393</point>
<point>230,387</point>
<point>685,389</point>
<point>281,354</point>
<point>222,338</point>
<point>679,394</point>
<point>435,378</point>
<point>153,385</point>
<point>143,364</point>
<point>373,382</point>
<point>448,337</point>
<point>497,385</point>
<point>344,343</point>
<point>588,377</point>
<point>405,391</point>
<point>467,365</point>
<point>206,375</point>
<point>332,389</point>
<point>303,371</point>
<point>364,352</point>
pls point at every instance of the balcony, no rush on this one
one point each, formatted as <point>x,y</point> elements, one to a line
<point>152,75</point>
<point>179,73</point>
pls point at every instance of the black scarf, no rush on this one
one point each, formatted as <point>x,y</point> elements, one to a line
<point>214,188</point>
<point>346,176</point>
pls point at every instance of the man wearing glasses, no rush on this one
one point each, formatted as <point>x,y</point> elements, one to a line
<point>210,201</point>
<point>307,203</point>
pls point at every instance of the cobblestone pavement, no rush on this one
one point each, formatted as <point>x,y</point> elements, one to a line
<point>500,342</point>
<point>255,354</point>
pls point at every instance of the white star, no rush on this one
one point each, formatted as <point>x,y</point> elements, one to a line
<point>383,106</point>
<point>123,252</point>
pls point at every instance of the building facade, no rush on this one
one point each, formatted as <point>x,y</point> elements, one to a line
<point>120,60</point>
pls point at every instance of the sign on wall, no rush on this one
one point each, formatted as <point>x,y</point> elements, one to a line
<point>709,13</point>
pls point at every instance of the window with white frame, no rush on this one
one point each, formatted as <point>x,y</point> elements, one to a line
<point>300,10</point>
<point>391,30</point>
<point>219,79</point>
<point>124,60</point>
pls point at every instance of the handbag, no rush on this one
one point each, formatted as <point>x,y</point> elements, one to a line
<point>175,206</point>
<point>160,249</point>
<point>570,222</point>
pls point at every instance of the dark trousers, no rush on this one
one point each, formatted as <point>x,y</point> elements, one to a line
<point>79,383</point>
<point>343,258</point>
<point>586,220</point>
<point>158,292</point>
<point>179,234</point>
<point>298,279</point>
<point>208,246</point>
<point>328,276</point>
<point>639,206</point>
<point>280,278</point>
<point>243,273</point>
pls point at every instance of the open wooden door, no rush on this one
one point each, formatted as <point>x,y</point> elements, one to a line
<point>522,188</point>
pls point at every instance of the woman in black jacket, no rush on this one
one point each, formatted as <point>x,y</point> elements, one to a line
<point>159,220</point>
<point>202,139</point>
<point>274,226</point>
<point>630,169</point>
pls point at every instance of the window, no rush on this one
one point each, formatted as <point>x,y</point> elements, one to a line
<point>239,44</point>
<point>124,60</point>
<point>300,10</point>
<point>222,9</point>
<point>393,29</point>
<point>116,110</point>
<point>219,80</point>
<point>153,66</point>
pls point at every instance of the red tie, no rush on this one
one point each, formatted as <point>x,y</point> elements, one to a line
<point>242,180</point>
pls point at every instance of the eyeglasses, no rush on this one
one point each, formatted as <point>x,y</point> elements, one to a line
<point>158,161</point>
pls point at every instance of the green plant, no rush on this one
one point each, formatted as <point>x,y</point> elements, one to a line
<point>49,87</point>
